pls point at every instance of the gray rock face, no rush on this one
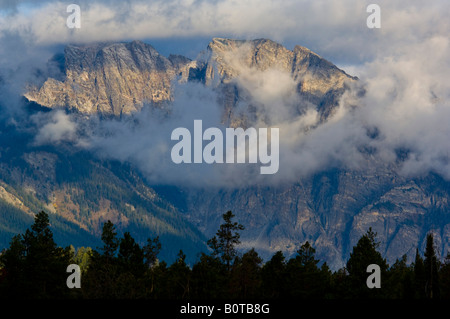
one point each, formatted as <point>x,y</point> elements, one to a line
<point>111,79</point>
<point>317,81</point>
<point>119,78</point>
<point>332,210</point>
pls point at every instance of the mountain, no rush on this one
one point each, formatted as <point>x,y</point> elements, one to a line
<point>110,78</point>
<point>119,78</point>
<point>317,80</point>
<point>331,209</point>
<point>81,192</point>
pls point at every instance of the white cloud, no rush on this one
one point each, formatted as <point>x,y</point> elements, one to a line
<point>334,29</point>
<point>55,129</point>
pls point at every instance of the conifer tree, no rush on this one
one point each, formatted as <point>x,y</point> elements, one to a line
<point>419,276</point>
<point>246,276</point>
<point>209,278</point>
<point>151,251</point>
<point>131,256</point>
<point>304,277</point>
<point>364,254</point>
<point>35,264</point>
<point>178,278</point>
<point>101,278</point>
<point>226,239</point>
<point>273,275</point>
<point>444,278</point>
<point>431,270</point>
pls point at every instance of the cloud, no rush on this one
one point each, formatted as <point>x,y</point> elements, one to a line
<point>403,68</point>
<point>56,127</point>
<point>337,30</point>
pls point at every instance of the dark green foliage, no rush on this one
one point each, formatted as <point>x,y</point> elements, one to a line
<point>33,266</point>
<point>151,251</point>
<point>444,274</point>
<point>209,278</point>
<point>273,275</point>
<point>304,278</point>
<point>400,280</point>
<point>226,239</point>
<point>178,279</point>
<point>431,267</point>
<point>117,270</point>
<point>419,276</point>
<point>245,277</point>
<point>364,254</point>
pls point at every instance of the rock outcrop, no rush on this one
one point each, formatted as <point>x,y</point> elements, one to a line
<point>110,79</point>
<point>120,78</point>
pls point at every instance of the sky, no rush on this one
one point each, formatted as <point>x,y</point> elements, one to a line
<point>404,66</point>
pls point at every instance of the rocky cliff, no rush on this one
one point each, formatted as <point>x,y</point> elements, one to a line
<point>119,78</point>
<point>111,79</point>
<point>317,80</point>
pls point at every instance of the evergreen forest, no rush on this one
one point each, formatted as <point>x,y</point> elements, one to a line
<point>35,267</point>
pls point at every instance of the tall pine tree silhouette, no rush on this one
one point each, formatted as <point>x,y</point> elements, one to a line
<point>431,270</point>
<point>226,239</point>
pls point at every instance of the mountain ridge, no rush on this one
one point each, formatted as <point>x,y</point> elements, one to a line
<point>330,209</point>
<point>119,78</point>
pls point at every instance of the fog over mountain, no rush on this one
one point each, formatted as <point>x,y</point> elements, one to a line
<point>362,113</point>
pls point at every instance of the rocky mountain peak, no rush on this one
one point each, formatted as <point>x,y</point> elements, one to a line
<point>110,78</point>
<point>318,81</point>
<point>119,78</point>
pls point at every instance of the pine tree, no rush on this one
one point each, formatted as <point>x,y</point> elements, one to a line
<point>419,276</point>
<point>178,278</point>
<point>246,276</point>
<point>209,278</point>
<point>110,241</point>
<point>226,239</point>
<point>101,278</point>
<point>399,283</point>
<point>431,270</point>
<point>274,276</point>
<point>151,251</point>
<point>304,277</point>
<point>131,256</point>
<point>36,264</point>
<point>364,254</point>
<point>444,278</point>
<point>12,260</point>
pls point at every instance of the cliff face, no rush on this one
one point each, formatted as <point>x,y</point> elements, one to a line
<point>119,78</point>
<point>317,81</point>
<point>110,79</point>
<point>314,75</point>
<point>332,210</point>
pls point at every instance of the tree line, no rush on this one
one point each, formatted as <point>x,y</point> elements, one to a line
<point>33,266</point>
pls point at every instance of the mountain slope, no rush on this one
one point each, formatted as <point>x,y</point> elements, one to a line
<point>331,209</point>
<point>81,192</point>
